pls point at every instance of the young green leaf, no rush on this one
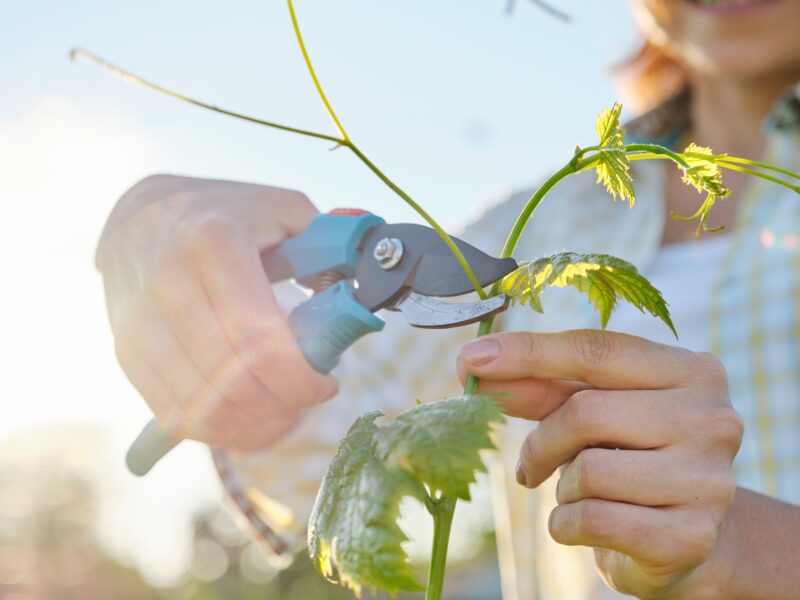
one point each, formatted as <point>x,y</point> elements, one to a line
<point>353,532</point>
<point>603,278</point>
<point>613,167</point>
<point>440,443</point>
<point>353,527</point>
<point>705,175</point>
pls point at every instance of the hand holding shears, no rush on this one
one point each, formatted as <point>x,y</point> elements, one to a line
<point>357,264</point>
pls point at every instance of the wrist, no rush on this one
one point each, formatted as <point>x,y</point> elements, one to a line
<point>715,578</point>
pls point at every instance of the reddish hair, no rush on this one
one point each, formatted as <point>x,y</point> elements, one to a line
<point>649,77</point>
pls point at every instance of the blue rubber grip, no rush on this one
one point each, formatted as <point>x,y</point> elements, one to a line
<point>329,323</point>
<point>329,243</point>
<point>151,445</point>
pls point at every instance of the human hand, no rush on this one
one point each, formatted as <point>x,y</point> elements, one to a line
<point>196,326</point>
<point>645,435</point>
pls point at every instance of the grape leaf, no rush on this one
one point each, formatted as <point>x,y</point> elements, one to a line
<point>604,279</point>
<point>613,168</point>
<point>440,443</point>
<point>703,172</point>
<point>705,175</point>
<point>353,525</point>
<point>353,534</point>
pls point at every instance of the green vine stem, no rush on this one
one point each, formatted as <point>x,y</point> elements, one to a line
<point>443,513</point>
<point>77,53</point>
<point>312,72</point>
<point>786,184</point>
<point>760,165</point>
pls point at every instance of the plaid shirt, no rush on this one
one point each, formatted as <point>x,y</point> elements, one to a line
<point>754,329</point>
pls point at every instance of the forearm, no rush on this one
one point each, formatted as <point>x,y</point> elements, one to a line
<point>757,554</point>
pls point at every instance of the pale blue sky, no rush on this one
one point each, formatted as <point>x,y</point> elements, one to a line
<point>455,99</point>
<point>452,98</point>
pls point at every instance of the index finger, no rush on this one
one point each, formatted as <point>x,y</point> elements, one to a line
<point>601,359</point>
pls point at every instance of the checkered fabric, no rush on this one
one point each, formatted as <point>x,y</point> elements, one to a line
<point>755,330</point>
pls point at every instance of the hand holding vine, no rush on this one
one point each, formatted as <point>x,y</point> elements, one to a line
<point>644,434</point>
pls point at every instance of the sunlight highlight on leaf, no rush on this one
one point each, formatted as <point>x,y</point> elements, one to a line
<point>613,168</point>
<point>705,175</point>
<point>604,279</point>
<point>353,536</point>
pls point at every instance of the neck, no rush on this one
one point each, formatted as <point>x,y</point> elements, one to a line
<point>728,115</point>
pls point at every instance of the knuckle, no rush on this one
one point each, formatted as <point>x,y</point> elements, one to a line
<point>296,210</point>
<point>528,452</point>
<point>595,348</point>
<point>586,470</point>
<point>584,409</point>
<point>196,238</point>
<point>725,425</point>
<point>532,348</point>
<point>212,232</point>
<point>302,204</point>
<point>699,542</point>
<point>710,370</point>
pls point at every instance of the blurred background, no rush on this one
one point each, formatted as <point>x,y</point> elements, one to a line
<point>460,102</point>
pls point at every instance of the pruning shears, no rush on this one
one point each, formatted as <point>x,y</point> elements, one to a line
<point>357,264</point>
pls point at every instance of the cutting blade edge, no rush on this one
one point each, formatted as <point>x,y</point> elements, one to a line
<point>431,313</point>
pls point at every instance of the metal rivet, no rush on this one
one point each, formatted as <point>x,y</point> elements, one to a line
<point>388,252</point>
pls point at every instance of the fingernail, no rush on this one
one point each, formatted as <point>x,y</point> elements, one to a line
<point>480,351</point>
<point>521,477</point>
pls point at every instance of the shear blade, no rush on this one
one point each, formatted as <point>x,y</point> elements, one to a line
<point>443,276</point>
<point>428,267</point>
<point>430,313</point>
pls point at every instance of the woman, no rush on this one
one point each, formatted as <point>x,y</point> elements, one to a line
<point>644,433</point>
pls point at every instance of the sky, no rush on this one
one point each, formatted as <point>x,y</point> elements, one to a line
<point>456,100</point>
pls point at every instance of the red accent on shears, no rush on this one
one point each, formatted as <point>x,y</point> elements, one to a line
<point>348,212</point>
